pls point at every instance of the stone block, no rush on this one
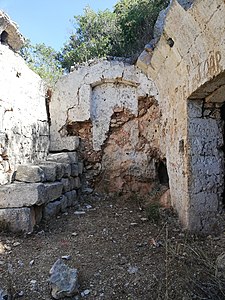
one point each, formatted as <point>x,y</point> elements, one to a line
<point>29,173</point>
<point>73,157</point>
<point>69,143</point>
<point>77,183</point>
<point>22,194</point>
<point>17,219</point>
<point>53,190</point>
<point>74,170</point>
<point>59,171</point>
<point>64,157</point>
<point>67,170</point>
<point>64,203</point>
<point>80,167</point>
<point>72,198</point>
<point>51,209</point>
<point>38,212</point>
<point>50,171</point>
<point>66,184</point>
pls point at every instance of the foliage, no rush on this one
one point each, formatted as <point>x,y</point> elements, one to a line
<point>43,60</point>
<point>136,19</point>
<point>123,32</point>
<point>94,37</point>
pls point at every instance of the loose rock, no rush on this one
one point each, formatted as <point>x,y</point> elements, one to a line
<point>64,280</point>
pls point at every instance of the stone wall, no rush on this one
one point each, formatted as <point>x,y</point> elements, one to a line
<point>40,191</point>
<point>24,129</point>
<point>113,107</point>
<point>187,66</point>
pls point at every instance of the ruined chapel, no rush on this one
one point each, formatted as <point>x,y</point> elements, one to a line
<point>115,127</point>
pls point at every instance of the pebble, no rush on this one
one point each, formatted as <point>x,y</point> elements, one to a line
<point>132,270</point>
<point>20,263</point>
<point>20,294</point>
<point>8,248</point>
<point>66,257</point>
<point>16,244</point>
<point>79,212</point>
<point>85,293</point>
<point>133,224</point>
<point>88,206</point>
<point>31,262</point>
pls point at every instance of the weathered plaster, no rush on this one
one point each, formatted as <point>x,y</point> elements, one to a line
<point>112,107</point>
<point>190,69</point>
<point>90,93</point>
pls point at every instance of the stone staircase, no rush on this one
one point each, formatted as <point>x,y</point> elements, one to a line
<point>40,191</point>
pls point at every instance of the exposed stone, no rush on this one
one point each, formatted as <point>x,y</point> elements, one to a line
<point>75,169</point>
<point>18,219</point>
<point>53,190</point>
<point>64,203</point>
<point>51,209</point>
<point>64,280</point>
<point>12,36</point>
<point>66,184</point>
<point>3,294</point>
<point>64,157</point>
<point>69,143</point>
<point>29,173</point>
<point>67,170</point>
<point>165,199</point>
<point>72,198</point>
<point>24,129</point>
<point>50,171</point>
<point>22,194</point>
<point>220,266</point>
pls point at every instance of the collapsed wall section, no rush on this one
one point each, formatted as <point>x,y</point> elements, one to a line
<point>113,107</point>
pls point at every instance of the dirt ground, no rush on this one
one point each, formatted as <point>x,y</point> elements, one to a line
<point>121,251</point>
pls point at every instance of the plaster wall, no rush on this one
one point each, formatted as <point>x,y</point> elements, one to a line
<point>112,106</point>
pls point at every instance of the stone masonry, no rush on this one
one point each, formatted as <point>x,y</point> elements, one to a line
<point>113,107</point>
<point>133,127</point>
<point>192,96</point>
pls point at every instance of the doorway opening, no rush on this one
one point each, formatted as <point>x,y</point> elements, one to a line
<point>162,173</point>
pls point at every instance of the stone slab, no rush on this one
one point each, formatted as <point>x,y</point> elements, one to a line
<point>72,198</point>
<point>17,219</point>
<point>53,190</point>
<point>51,209</point>
<point>29,173</point>
<point>22,195</point>
<point>50,171</point>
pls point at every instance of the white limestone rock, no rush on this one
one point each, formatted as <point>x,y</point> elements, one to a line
<point>22,195</point>
<point>29,173</point>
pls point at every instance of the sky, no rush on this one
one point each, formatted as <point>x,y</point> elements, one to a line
<point>48,21</point>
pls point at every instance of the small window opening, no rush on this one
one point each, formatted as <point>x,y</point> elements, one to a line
<point>4,37</point>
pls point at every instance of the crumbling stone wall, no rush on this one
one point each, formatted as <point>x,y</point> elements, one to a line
<point>187,66</point>
<point>24,130</point>
<point>113,107</point>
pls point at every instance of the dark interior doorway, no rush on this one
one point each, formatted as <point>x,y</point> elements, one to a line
<point>162,173</point>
